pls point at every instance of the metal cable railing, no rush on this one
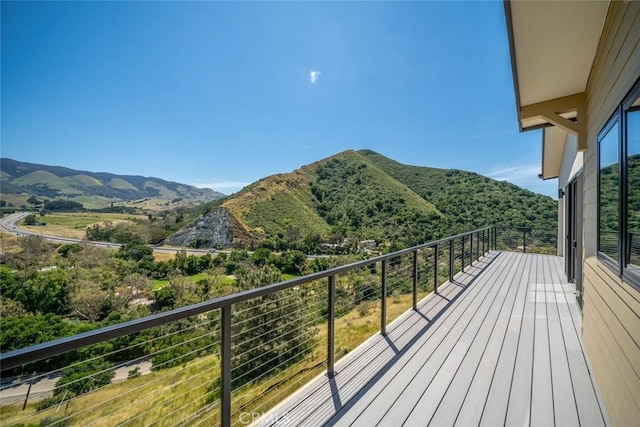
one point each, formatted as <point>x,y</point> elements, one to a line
<point>527,239</point>
<point>230,359</point>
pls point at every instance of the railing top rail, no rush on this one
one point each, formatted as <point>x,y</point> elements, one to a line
<point>15,358</point>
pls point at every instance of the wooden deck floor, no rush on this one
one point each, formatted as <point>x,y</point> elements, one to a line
<point>500,345</point>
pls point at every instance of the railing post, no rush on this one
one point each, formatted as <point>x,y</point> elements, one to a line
<point>483,237</point>
<point>415,280</point>
<point>331,325</point>
<point>451,259</point>
<point>524,240</point>
<point>225,367</point>
<point>383,307</point>
<point>464,237</point>
<point>471,257</point>
<point>436,255</point>
<point>495,238</point>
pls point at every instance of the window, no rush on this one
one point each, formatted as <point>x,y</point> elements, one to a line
<point>633,187</point>
<point>610,191</point>
<point>619,190</point>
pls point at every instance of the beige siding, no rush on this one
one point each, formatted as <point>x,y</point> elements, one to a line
<point>611,326</point>
<point>611,333</point>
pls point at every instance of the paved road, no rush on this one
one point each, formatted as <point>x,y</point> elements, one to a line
<point>9,225</point>
<point>15,391</point>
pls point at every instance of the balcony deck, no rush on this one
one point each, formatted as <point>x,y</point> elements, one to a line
<point>500,345</point>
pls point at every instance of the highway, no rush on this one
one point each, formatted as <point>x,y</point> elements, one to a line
<point>8,224</point>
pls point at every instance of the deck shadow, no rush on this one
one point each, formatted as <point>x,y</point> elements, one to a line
<point>340,411</point>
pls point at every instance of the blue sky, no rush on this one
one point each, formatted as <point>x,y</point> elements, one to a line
<point>220,94</point>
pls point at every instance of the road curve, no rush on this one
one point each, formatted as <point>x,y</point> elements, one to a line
<point>9,225</point>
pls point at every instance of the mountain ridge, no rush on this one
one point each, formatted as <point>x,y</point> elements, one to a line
<point>100,188</point>
<point>364,195</point>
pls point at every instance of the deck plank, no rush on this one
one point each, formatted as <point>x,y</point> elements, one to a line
<point>474,403</point>
<point>563,397</point>
<point>431,376</point>
<point>542,412</point>
<point>499,346</point>
<point>360,367</point>
<point>590,410</point>
<point>485,343</point>
<point>385,391</point>
<point>474,339</point>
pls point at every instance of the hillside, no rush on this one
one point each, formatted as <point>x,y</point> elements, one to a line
<point>20,180</point>
<point>469,199</point>
<point>364,195</point>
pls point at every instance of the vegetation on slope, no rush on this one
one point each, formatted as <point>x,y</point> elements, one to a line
<point>95,188</point>
<point>471,200</point>
<point>361,195</point>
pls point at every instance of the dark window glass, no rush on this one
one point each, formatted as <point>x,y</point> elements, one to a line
<point>609,193</point>
<point>633,188</point>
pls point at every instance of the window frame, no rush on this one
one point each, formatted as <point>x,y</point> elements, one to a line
<point>620,267</point>
<point>604,132</point>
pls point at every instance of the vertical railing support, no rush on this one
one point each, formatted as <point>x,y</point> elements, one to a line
<point>495,238</point>
<point>524,240</point>
<point>451,259</point>
<point>436,255</point>
<point>383,307</point>
<point>484,242</point>
<point>464,238</point>
<point>415,279</point>
<point>331,349</point>
<point>225,367</point>
<point>471,256</point>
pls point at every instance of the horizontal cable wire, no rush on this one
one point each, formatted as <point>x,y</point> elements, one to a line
<point>294,321</point>
<point>272,359</point>
<point>243,395</point>
<point>319,303</point>
<point>262,345</point>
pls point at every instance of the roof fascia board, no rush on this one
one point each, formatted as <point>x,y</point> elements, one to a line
<point>512,54</point>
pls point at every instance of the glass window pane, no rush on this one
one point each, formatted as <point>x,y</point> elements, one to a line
<point>633,188</point>
<point>609,198</point>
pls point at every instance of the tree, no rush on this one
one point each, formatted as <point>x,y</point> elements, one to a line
<point>135,252</point>
<point>260,256</point>
<point>33,200</point>
<point>34,255</point>
<point>30,220</point>
<point>46,292</point>
<point>272,332</point>
<point>166,298</point>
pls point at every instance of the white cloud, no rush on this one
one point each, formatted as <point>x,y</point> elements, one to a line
<point>314,75</point>
<point>517,174</point>
<point>226,187</point>
<point>526,176</point>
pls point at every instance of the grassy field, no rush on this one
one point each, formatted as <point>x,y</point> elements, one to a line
<point>182,394</point>
<point>74,224</point>
<point>8,242</point>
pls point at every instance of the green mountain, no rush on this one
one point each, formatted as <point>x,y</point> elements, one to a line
<point>364,195</point>
<point>20,180</point>
<point>469,199</point>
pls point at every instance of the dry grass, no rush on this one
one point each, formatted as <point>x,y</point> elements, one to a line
<point>181,395</point>
<point>8,242</point>
<point>73,225</point>
<point>163,256</point>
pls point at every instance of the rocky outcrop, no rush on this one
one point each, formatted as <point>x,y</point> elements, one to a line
<point>215,229</point>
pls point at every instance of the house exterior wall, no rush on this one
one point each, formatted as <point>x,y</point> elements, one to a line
<point>572,163</point>
<point>611,311</point>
